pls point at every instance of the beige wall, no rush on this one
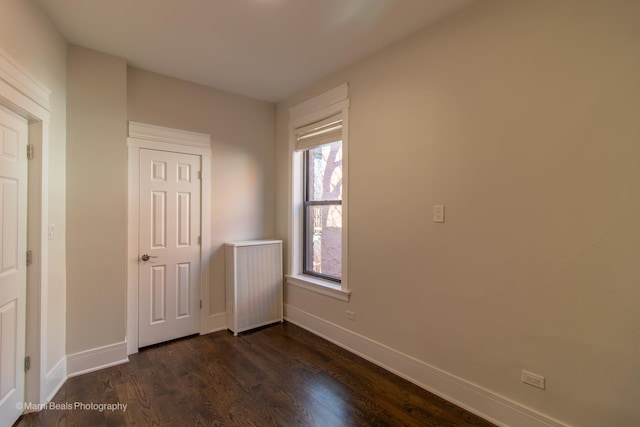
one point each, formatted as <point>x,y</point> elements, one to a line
<point>519,117</point>
<point>242,155</point>
<point>96,199</point>
<point>102,95</point>
<point>522,119</point>
<point>28,36</point>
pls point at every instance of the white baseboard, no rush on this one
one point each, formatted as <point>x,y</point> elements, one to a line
<point>96,359</point>
<point>55,379</point>
<point>217,322</point>
<point>472,397</point>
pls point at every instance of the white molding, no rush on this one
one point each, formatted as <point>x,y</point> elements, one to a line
<point>319,102</point>
<point>470,396</point>
<point>192,143</point>
<point>163,134</point>
<point>56,378</point>
<point>95,359</point>
<point>17,77</point>
<point>25,96</point>
<point>167,146</point>
<point>54,382</point>
<point>321,106</point>
<point>318,286</point>
<point>217,322</point>
<point>320,114</point>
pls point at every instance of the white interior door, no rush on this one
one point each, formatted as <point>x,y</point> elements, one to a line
<point>13,267</point>
<point>169,270</point>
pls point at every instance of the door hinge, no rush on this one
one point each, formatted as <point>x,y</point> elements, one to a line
<point>29,151</point>
<point>29,257</point>
<point>199,174</point>
<point>27,363</point>
<point>200,304</point>
<point>199,240</point>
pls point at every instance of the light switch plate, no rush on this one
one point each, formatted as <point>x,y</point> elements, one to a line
<point>438,213</point>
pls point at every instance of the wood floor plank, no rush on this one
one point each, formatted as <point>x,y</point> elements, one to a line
<point>276,376</point>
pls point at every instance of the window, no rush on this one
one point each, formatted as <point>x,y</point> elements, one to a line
<point>318,238</point>
<point>322,248</point>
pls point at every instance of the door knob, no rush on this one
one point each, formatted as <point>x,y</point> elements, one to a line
<point>146,257</point>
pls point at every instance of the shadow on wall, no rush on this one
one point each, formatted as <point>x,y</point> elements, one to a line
<point>239,189</point>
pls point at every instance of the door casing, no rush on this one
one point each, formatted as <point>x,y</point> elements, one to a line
<point>146,136</point>
<point>25,96</point>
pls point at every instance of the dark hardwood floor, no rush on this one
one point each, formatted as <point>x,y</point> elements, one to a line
<point>275,376</point>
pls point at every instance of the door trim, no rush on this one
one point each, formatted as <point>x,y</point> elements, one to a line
<point>146,136</point>
<point>25,96</point>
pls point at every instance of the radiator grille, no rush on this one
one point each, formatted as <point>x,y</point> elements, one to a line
<point>254,285</point>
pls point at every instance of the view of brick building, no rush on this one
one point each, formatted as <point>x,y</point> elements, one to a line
<point>325,184</point>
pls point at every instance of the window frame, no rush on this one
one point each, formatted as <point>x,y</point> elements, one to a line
<point>327,104</point>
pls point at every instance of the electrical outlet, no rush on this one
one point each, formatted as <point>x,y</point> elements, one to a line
<point>351,315</point>
<point>533,379</point>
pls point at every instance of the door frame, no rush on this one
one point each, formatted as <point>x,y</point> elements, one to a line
<point>25,96</point>
<point>152,137</point>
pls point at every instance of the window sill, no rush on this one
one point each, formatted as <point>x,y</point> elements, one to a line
<point>319,286</point>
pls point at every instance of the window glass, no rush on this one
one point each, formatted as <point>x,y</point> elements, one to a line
<point>323,211</point>
<point>325,172</point>
<point>324,241</point>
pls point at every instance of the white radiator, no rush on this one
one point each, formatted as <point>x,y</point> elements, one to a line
<point>253,284</point>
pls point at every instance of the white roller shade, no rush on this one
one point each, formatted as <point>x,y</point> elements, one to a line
<point>322,132</point>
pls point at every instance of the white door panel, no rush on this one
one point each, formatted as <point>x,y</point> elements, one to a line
<point>13,269</point>
<point>169,287</point>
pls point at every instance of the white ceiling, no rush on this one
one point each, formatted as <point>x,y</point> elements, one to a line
<point>265,49</point>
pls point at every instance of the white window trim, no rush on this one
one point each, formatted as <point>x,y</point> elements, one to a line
<point>324,105</point>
